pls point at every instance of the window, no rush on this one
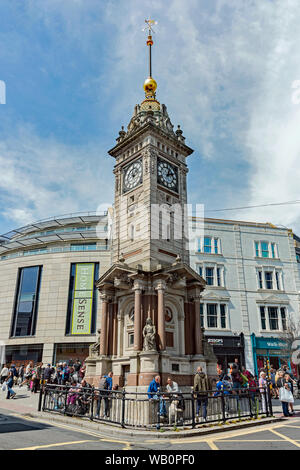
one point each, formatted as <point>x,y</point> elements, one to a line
<point>207,245</point>
<point>263,318</point>
<point>212,317</point>
<point>82,303</point>
<point>83,246</point>
<point>277,276</point>
<point>201,316</point>
<point>213,273</point>
<point>273,318</point>
<point>256,249</point>
<point>223,315</point>
<point>265,249</point>
<point>269,280</point>
<point>260,282</point>
<point>283,318</point>
<point>219,277</point>
<point>26,307</point>
<point>130,340</point>
<point>209,276</point>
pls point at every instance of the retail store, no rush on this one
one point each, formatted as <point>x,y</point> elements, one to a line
<point>227,349</point>
<point>270,352</point>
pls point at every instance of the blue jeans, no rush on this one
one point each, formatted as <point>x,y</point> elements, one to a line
<point>202,402</point>
<point>285,408</point>
<point>162,406</point>
<point>10,392</point>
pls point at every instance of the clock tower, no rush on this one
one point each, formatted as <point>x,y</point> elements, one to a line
<point>150,320</point>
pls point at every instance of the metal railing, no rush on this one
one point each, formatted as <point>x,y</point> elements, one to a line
<point>162,410</point>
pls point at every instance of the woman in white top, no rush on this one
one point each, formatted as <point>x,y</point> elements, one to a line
<point>4,373</point>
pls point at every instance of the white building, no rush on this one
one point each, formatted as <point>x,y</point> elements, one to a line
<point>253,288</point>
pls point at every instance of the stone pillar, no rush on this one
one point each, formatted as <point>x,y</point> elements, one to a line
<point>115,330</point>
<point>161,330</point>
<point>198,329</point>
<point>104,314</point>
<point>137,316</point>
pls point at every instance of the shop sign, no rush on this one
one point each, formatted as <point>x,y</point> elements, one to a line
<point>83,299</point>
<point>215,341</point>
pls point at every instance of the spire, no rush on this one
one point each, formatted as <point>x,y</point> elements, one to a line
<point>150,84</point>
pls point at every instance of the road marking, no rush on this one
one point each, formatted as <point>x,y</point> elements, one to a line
<point>82,431</point>
<point>211,444</point>
<point>286,438</point>
<point>46,446</point>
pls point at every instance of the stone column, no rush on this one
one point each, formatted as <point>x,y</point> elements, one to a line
<point>161,330</point>
<point>104,314</point>
<point>137,316</point>
<point>115,330</point>
<point>198,329</point>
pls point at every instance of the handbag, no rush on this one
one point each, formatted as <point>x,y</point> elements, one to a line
<point>4,387</point>
<point>286,395</point>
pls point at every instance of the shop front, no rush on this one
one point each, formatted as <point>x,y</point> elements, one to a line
<point>270,353</point>
<point>23,354</point>
<point>227,349</point>
<point>69,352</point>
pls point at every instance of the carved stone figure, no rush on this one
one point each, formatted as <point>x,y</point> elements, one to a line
<point>149,335</point>
<point>94,349</point>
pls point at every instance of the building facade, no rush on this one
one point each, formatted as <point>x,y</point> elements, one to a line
<point>41,268</point>
<point>252,277</point>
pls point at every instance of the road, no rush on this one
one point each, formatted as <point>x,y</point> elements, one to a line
<point>18,432</point>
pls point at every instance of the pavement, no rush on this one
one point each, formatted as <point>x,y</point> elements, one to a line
<point>23,428</point>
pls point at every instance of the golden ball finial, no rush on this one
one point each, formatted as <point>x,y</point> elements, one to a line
<point>150,86</point>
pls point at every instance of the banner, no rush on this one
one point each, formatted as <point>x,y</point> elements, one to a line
<point>83,299</point>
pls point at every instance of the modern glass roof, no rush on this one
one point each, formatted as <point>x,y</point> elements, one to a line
<point>76,226</point>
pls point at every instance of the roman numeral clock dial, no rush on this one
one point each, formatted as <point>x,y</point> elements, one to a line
<point>133,175</point>
<point>167,175</point>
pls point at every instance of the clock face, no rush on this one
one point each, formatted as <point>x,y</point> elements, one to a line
<point>167,174</point>
<point>133,175</point>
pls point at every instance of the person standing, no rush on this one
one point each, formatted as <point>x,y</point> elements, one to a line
<point>201,388</point>
<point>285,392</point>
<point>10,384</point>
<point>4,373</point>
<point>263,390</point>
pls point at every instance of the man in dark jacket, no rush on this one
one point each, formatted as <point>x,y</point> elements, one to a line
<point>201,387</point>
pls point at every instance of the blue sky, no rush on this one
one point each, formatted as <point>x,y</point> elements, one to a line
<point>74,70</point>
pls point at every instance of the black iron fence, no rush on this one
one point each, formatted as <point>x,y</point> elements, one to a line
<point>158,410</point>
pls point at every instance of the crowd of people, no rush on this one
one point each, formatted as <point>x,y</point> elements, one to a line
<point>33,375</point>
<point>280,383</point>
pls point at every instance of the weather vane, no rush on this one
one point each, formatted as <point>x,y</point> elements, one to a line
<point>150,84</point>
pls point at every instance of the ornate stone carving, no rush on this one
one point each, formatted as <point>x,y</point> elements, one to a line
<point>149,335</point>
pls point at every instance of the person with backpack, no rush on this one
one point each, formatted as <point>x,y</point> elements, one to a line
<point>201,388</point>
<point>237,380</point>
<point>65,374</point>
<point>9,385</point>
<point>105,384</point>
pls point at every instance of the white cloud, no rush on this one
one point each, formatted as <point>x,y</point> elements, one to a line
<point>42,177</point>
<point>225,70</point>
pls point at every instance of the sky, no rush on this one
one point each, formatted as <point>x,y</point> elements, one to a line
<point>228,71</point>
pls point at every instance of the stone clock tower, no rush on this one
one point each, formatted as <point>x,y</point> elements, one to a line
<point>150,282</point>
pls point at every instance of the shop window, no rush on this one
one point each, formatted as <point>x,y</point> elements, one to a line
<point>26,306</point>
